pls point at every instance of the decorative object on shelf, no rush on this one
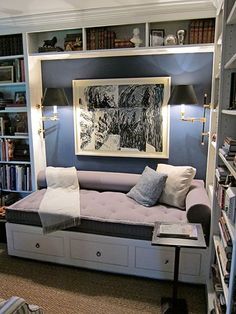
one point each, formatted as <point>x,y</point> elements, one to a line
<point>20,124</point>
<point>20,98</point>
<point>181,36</point>
<point>6,74</point>
<point>122,117</point>
<point>157,37</point>
<point>136,40</point>
<point>53,97</point>
<point>170,40</point>
<point>73,42</point>
<point>49,45</point>
<point>232,102</point>
<point>185,95</point>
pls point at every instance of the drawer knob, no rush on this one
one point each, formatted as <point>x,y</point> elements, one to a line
<point>98,254</point>
<point>166,261</point>
<point>37,245</point>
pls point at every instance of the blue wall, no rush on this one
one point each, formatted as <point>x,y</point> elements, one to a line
<point>185,139</point>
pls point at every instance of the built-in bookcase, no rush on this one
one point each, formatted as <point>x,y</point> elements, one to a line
<point>222,172</point>
<point>15,158</point>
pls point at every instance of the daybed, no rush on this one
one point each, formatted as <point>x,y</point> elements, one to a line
<point>115,231</point>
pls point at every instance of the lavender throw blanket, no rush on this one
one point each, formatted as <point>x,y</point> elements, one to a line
<point>60,206</point>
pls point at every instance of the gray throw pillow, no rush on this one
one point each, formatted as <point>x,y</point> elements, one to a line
<point>148,188</point>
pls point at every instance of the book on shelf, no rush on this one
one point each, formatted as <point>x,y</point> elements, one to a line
<point>16,177</point>
<point>201,31</point>
<point>230,140</point>
<point>221,173</point>
<point>232,101</point>
<point>225,231</point>
<point>222,263</point>
<point>226,262</point>
<point>178,230</point>
<point>228,155</point>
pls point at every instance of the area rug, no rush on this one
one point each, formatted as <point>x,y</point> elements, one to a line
<point>69,290</point>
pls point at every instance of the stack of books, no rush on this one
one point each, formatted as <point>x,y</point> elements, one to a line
<point>100,38</point>
<point>224,249</point>
<point>11,45</point>
<point>228,149</point>
<point>179,230</point>
<point>202,31</point>
<point>221,173</point>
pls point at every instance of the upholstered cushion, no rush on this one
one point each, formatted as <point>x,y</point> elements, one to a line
<point>148,188</point>
<point>19,305</point>
<point>177,184</point>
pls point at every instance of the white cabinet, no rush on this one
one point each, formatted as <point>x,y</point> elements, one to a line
<point>119,255</point>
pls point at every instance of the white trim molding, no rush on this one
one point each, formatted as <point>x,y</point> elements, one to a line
<point>161,11</point>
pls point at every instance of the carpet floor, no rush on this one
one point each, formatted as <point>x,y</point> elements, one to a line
<point>68,290</point>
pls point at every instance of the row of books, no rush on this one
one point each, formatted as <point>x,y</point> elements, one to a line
<point>102,38</point>
<point>219,300</point>
<point>11,45</point>
<point>14,150</point>
<point>220,194</point>
<point>228,149</point>
<point>15,177</point>
<point>202,31</point>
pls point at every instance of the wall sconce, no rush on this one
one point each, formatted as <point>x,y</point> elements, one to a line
<point>53,97</point>
<point>185,95</point>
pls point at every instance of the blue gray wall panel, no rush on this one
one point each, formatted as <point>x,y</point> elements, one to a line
<point>185,139</point>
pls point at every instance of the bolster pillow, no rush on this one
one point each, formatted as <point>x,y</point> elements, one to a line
<point>100,181</point>
<point>198,206</point>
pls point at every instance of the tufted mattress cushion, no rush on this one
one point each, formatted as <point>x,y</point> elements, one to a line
<point>102,208</point>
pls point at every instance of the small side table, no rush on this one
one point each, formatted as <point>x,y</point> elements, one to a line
<point>174,305</point>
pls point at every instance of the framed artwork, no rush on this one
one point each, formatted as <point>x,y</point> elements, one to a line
<point>122,117</point>
<point>20,98</point>
<point>157,37</point>
<point>6,74</point>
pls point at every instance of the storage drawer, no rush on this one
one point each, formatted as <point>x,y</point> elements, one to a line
<point>162,259</point>
<point>36,243</point>
<point>99,252</point>
<point>159,259</point>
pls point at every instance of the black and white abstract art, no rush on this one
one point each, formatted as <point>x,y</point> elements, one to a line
<point>122,117</point>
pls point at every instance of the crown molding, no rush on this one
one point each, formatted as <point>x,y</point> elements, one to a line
<point>161,11</point>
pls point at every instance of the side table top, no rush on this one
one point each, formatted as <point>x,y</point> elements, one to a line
<point>178,241</point>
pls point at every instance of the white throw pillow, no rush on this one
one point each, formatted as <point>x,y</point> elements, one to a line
<point>177,184</point>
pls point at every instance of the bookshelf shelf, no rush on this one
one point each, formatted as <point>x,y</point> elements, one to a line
<point>13,84</point>
<point>231,64</point>
<point>228,164</point>
<point>232,15</point>
<point>16,162</point>
<point>11,57</point>
<point>216,240</point>
<point>125,52</point>
<point>229,112</point>
<point>14,137</point>
<point>14,109</point>
<point>16,191</point>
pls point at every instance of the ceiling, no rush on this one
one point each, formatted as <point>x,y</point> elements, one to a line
<point>16,8</point>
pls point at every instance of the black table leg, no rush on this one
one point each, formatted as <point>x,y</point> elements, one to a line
<point>174,305</point>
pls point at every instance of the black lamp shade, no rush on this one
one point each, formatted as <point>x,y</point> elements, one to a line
<point>54,97</point>
<point>183,94</point>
